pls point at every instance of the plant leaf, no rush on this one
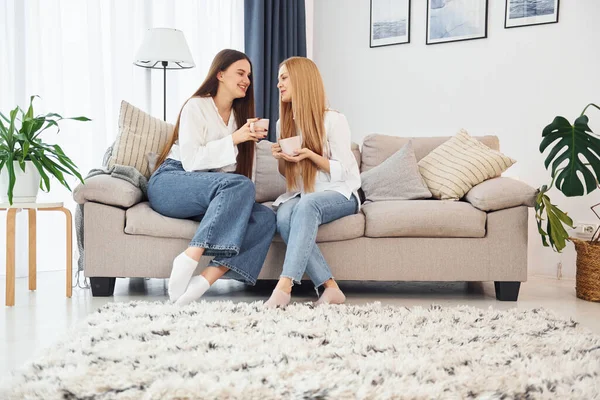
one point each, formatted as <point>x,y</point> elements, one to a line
<point>555,235</point>
<point>50,123</point>
<point>40,168</point>
<point>574,141</point>
<point>11,177</point>
<point>11,127</point>
<point>30,109</point>
<point>3,132</point>
<point>51,115</point>
<point>25,150</point>
<point>4,118</point>
<point>49,165</point>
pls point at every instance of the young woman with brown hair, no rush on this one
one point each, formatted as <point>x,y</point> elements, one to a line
<point>205,173</point>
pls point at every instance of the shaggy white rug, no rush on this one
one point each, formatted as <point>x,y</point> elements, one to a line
<point>222,350</point>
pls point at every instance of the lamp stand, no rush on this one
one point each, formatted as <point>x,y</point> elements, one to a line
<point>164,64</point>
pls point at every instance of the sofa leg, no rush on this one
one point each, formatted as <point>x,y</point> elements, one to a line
<point>507,291</point>
<point>101,286</point>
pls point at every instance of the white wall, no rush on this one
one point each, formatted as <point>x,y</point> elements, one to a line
<point>310,19</point>
<point>511,85</point>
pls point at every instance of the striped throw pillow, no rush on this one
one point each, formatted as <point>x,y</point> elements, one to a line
<point>139,134</point>
<point>454,167</point>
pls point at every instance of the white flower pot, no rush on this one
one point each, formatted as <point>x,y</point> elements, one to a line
<point>27,184</point>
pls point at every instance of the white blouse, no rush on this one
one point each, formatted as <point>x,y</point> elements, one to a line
<point>205,142</point>
<point>344,175</point>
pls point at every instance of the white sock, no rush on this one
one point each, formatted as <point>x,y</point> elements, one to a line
<point>183,268</point>
<point>197,287</point>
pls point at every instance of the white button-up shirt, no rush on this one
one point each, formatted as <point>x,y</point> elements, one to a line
<point>344,174</point>
<point>205,142</point>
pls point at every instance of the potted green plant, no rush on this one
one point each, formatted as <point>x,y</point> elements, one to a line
<point>569,144</point>
<point>26,161</point>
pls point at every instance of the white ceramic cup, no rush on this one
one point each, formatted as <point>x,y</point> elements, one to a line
<point>290,144</point>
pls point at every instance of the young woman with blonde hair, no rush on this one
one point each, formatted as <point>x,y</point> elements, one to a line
<point>322,178</point>
<point>205,173</point>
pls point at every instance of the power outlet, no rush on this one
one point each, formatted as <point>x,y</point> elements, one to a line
<point>586,229</point>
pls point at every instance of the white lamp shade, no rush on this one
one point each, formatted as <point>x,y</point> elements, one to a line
<point>164,44</point>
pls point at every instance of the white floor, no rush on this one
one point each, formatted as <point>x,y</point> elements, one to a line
<point>41,318</point>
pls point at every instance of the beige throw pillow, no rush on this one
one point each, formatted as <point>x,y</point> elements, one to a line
<point>501,193</point>
<point>139,134</point>
<point>106,189</point>
<point>454,167</point>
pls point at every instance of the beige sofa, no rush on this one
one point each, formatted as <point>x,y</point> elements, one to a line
<point>481,238</point>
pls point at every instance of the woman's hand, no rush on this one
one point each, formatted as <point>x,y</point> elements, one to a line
<point>245,134</point>
<point>276,151</point>
<point>299,155</point>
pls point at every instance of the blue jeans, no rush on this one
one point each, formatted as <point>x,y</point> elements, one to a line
<point>298,220</point>
<point>233,228</point>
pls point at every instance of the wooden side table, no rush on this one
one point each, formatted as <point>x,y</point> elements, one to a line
<point>32,209</point>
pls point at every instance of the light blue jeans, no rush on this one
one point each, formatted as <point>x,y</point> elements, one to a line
<point>233,228</point>
<point>298,220</point>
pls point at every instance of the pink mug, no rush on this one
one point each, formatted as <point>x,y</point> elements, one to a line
<point>289,145</point>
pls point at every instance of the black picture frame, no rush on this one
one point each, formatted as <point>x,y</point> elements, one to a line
<point>531,20</point>
<point>405,9</point>
<point>482,35</point>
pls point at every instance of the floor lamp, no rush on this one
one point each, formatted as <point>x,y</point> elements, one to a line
<point>164,48</point>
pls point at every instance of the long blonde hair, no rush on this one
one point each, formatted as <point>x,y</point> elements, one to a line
<point>243,108</point>
<point>305,113</point>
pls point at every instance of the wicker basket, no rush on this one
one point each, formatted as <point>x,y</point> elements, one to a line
<point>588,270</point>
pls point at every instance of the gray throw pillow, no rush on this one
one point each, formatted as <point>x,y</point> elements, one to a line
<point>268,181</point>
<point>397,178</point>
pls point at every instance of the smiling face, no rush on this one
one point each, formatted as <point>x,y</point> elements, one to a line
<point>235,80</point>
<point>285,85</point>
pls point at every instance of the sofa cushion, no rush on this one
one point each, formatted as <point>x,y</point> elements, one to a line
<point>139,134</point>
<point>377,148</point>
<point>143,220</point>
<point>397,178</point>
<point>423,218</point>
<point>500,193</point>
<point>457,165</point>
<point>350,227</point>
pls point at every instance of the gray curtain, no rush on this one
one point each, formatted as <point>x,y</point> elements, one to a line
<point>273,31</point>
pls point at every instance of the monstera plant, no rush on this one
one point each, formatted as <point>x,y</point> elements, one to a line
<point>570,143</point>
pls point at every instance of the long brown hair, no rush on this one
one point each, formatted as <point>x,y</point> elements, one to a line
<point>306,113</point>
<point>243,109</point>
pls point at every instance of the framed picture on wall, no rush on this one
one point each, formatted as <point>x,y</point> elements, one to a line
<point>530,12</point>
<point>456,20</point>
<point>390,22</point>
